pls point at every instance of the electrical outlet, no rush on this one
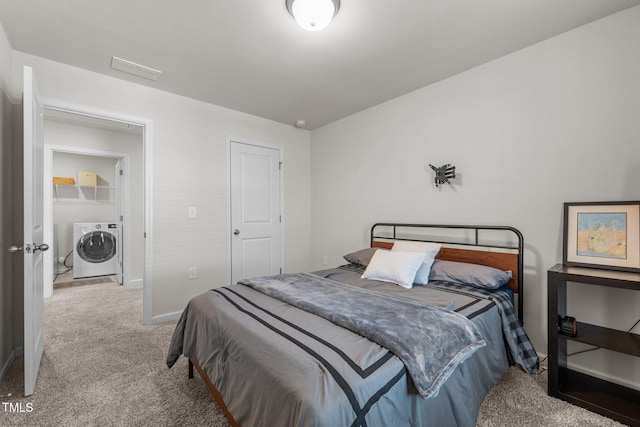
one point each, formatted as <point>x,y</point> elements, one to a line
<point>193,212</point>
<point>193,272</point>
<point>325,261</point>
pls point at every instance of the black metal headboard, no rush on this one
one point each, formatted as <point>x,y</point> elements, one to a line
<point>462,243</point>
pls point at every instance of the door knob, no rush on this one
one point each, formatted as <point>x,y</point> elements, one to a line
<point>236,232</point>
<point>14,249</point>
<point>42,247</point>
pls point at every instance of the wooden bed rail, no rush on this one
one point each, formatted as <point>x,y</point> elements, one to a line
<point>214,391</point>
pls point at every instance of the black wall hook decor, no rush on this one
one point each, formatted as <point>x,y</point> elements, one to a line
<point>444,173</point>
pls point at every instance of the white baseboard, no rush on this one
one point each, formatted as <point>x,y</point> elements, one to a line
<point>7,365</point>
<point>167,317</point>
<point>543,359</point>
<point>135,284</point>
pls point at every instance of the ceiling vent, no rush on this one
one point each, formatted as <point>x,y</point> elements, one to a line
<point>135,69</point>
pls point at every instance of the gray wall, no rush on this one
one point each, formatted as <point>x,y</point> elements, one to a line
<point>556,122</point>
<point>6,232</point>
<point>7,291</point>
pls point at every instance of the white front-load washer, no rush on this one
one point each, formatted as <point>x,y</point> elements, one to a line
<point>94,252</point>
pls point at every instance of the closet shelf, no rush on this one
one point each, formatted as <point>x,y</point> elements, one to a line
<point>74,191</point>
<point>81,186</point>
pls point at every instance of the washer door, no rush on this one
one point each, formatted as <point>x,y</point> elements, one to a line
<point>96,246</point>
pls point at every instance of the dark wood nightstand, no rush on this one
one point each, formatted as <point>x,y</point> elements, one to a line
<point>606,398</point>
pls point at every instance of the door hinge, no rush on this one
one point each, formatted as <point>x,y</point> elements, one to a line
<point>281,271</point>
<point>121,218</point>
<point>121,172</point>
<point>280,165</point>
<point>145,234</point>
<point>280,218</point>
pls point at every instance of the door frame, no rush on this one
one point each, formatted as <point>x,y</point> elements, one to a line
<point>122,203</point>
<point>121,193</point>
<point>147,155</point>
<point>227,149</point>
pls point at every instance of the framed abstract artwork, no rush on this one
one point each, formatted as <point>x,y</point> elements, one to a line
<point>602,235</point>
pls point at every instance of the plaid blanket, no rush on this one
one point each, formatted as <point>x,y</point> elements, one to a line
<point>521,351</point>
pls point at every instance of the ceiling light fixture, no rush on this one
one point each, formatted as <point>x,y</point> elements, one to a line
<point>313,15</point>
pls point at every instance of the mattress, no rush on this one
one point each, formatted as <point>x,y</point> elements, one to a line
<point>276,364</point>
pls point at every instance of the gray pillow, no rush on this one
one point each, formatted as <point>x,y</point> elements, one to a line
<point>361,257</point>
<point>480,276</point>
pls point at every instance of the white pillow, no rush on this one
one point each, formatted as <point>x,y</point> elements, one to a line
<point>395,267</point>
<point>429,249</point>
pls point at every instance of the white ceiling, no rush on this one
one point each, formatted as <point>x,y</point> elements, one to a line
<point>250,55</point>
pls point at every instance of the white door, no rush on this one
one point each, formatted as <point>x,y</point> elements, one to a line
<point>33,233</point>
<point>256,242</point>
<point>119,218</point>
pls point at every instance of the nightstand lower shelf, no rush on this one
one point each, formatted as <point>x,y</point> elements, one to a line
<point>606,398</point>
<point>612,339</point>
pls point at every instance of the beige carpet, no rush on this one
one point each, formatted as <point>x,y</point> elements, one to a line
<point>101,367</point>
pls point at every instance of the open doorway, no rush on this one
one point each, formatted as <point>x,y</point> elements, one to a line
<point>111,151</point>
<point>88,209</point>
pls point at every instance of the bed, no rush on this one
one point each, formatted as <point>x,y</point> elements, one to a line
<point>348,346</point>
